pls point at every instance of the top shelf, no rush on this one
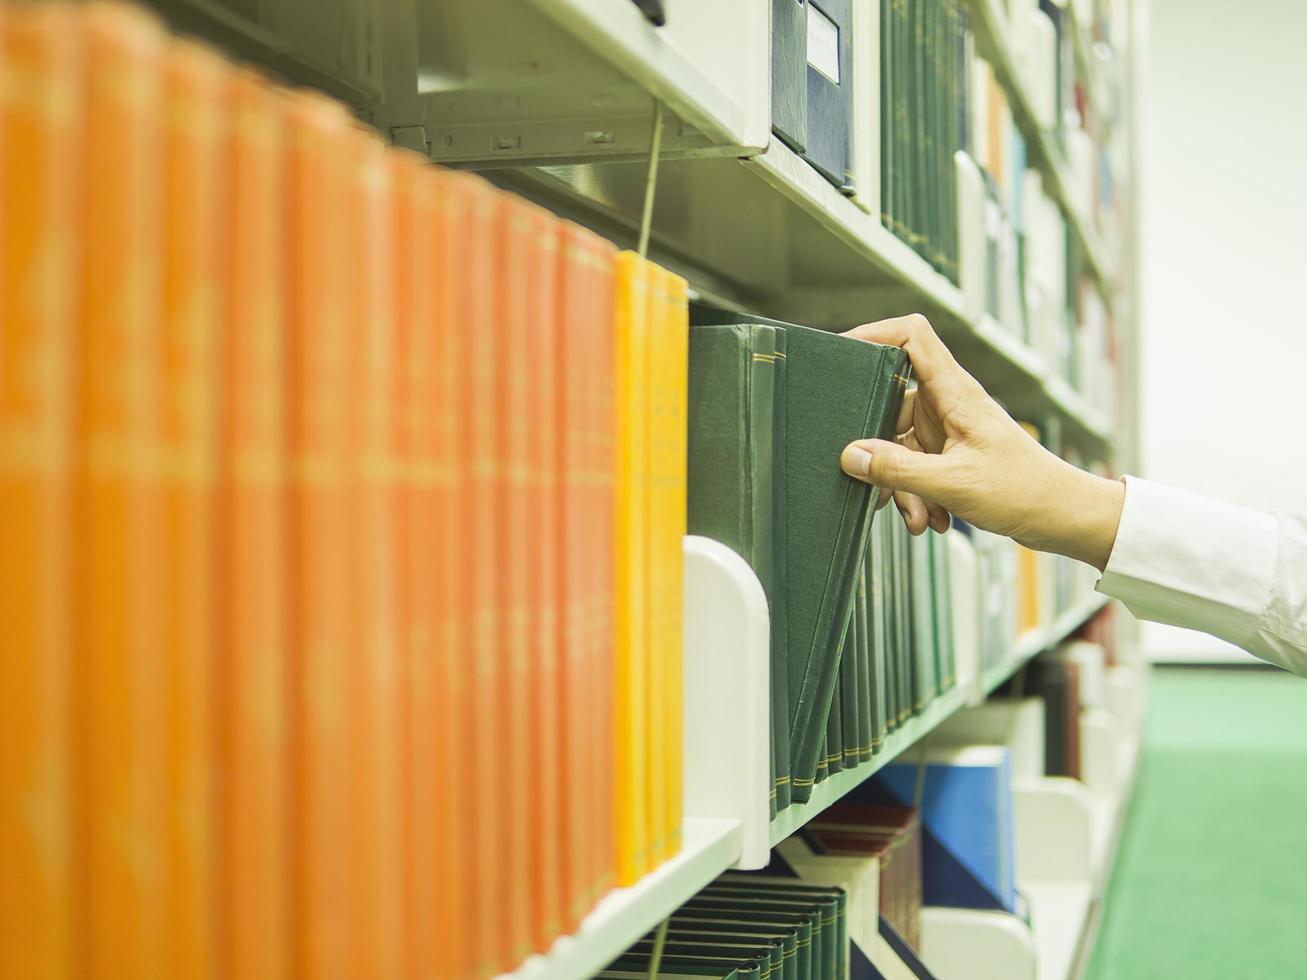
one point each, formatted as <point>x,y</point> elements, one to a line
<point>573,79</point>
<point>992,33</point>
<point>768,234</point>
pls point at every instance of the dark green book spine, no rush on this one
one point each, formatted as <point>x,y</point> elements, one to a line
<point>780,676</point>
<point>902,619</point>
<point>868,742</point>
<point>835,728</point>
<point>789,74</point>
<point>803,790</point>
<point>942,575</point>
<point>887,127</point>
<point>850,688</point>
<point>924,650</point>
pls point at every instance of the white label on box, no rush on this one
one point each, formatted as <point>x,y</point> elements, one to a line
<point>823,43</point>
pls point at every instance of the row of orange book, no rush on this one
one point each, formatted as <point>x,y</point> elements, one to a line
<point>343,500</point>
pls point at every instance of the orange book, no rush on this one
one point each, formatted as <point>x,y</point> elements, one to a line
<point>251,686</point>
<point>40,117</point>
<point>583,331</point>
<point>319,601</point>
<point>455,829</point>
<point>658,441</point>
<point>676,335</point>
<point>600,517</point>
<point>414,207</point>
<point>120,729</point>
<point>631,522</point>
<point>193,206</point>
<point>519,682</point>
<point>469,253</point>
<point>373,713</point>
<point>544,764</point>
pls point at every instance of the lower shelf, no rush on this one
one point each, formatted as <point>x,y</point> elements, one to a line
<point>833,788</point>
<point>711,846</point>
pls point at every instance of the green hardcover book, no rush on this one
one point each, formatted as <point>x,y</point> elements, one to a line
<point>887,129</point>
<point>868,739</point>
<point>636,967</point>
<point>850,686</point>
<point>802,924</point>
<point>823,764</point>
<point>784,936</point>
<point>838,389</point>
<point>763,906</point>
<point>736,478</point>
<point>901,595</point>
<point>925,652</point>
<point>835,730</point>
<point>943,605</point>
<point>740,950</point>
<point>882,630</point>
<point>930,132</point>
<point>832,902</point>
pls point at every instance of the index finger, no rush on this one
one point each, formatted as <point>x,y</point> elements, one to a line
<point>931,360</point>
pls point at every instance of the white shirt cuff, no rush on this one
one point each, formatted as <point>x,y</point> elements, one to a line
<point>1191,561</point>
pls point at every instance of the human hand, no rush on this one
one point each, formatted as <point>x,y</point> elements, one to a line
<point>958,451</point>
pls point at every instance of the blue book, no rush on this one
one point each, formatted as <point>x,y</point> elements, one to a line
<point>968,843</point>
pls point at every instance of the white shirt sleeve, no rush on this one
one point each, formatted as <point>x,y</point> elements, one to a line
<point>1236,573</point>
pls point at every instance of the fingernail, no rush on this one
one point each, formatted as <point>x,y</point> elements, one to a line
<point>857,461</point>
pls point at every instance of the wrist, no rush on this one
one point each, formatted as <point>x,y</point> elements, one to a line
<point>1084,516</point>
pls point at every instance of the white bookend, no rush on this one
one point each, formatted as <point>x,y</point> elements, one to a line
<point>727,694</point>
<point>965,944</point>
<point>1054,829</point>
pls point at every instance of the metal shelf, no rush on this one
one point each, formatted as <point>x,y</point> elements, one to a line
<point>625,915</point>
<point>833,788</point>
<point>1038,640</point>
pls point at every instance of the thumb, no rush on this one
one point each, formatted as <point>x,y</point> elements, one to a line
<point>891,466</point>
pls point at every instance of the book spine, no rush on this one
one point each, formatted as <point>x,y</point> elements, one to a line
<point>320,607</point>
<point>193,205</point>
<point>40,116</point>
<point>601,576</point>
<point>677,337</point>
<point>631,675</point>
<point>457,824</point>
<point>475,261</point>
<point>413,227</point>
<point>119,708</point>
<point>374,712</point>
<point>655,686</point>
<point>520,677</point>
<point>543,549</point>
<point>779,615</point>
<point>251,624</point>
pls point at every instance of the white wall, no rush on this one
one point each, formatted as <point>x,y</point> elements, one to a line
<point>1225,259</point>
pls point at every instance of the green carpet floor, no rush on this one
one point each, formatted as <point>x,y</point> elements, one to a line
<point>1211,878</point>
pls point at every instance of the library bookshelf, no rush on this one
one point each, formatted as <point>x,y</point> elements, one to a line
<point>563,101</point>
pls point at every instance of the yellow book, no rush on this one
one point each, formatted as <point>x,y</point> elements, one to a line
<point>630,738</point>
<point>657,448</point>
<point>676,335</point>
<point>40,118</point>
